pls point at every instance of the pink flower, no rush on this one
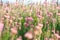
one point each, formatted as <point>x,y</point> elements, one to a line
<point>58,7</point>
<point>46,39</point>
<point>11,21</point>
<point>20,38</point>
<point>26,24</point>
<point>1,26</point>
<point>29,35</point>
<point>47,22</point>
<point>58,14</point>
<point>32,26</point>
<point>38,27</point>
<point>38,15</point>
<point>36,32</point>
<point>45,3</point>
<point>53,31</point>
<point>41,25</point>
<point>26,18</point>
<point>16,4</point>
<point>14,30</point>
<point>24,8</point>
<point>58,37</point>
<point>53,2</point>
<point>30,10</point>
<point>49,14</point>
<point>51,39</point>
<point>7,16</point>
<point>29,19</point>
<point>7,9</point>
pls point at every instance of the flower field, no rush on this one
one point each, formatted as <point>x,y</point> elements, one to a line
<point>31,22</point>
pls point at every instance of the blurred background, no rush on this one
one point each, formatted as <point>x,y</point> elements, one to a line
<point>29,19</point>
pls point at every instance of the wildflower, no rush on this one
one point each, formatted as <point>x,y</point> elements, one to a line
<point>38,27</point>
<point>30,10</point>
<point>40,31</point>
<point>49,14</point>
<point>1,3</point>
<point>39,16</point>
<point>58,37</point>
<point>7,9</point>
<point>20,38</point>
<point>13,18</point>
<point>32,26</point>
<point>58,7</point>
<point>36,32</point>
<point>29,19</point>
<point>7,16</point>
<point>16,4</point>
<point>51,39</point>
<point>46,38</point>
<point>24,8</point>
<point>2,20</point>
<point>53,31</point>
<point>41,25</point>
<point>15,22</point>
<point>14,30</point>
<point>26,24</point>
<point>45,3</point>
<point>47,22</point>
<point>58,14</point>
<point>29,35</point>
<point>11,21</point>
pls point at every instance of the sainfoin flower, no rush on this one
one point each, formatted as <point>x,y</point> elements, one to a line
<point>14,30</point>
<point>58,7</point>
<point>29,19</point>
<point>1,26</point>
<point>6,8</point>
<point>11,21</point>
<point>58,14</point>
<point>49,14</point>
<point>20,38</point>
<point>7,16</point>
<point>29,35</point>
<point>51,39</point>
<point>41,25</point>
<point>38,27</point>
<point>46,39</point>
<point>26,24</point>
<point>57,36</point>
<point>36,32</point>
<point>38,15</point>
<point>16,4</point>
